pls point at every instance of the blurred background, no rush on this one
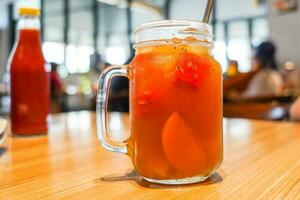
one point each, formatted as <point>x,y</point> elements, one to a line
<point>82,37</point>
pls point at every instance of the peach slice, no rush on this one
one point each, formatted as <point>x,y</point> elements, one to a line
<point>179,147</point>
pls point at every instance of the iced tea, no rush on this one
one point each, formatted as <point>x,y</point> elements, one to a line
<point>176,110</point>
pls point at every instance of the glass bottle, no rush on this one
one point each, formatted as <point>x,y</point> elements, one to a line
<point>29,80</point>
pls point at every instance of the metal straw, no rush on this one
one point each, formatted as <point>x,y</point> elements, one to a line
<point>208,10</point>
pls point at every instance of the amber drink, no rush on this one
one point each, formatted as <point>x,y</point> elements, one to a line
<point>175,103</point>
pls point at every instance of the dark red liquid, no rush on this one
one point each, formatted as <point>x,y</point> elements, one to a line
<point>29,85</point>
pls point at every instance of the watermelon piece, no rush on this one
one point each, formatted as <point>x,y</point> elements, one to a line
<point>191,69</point>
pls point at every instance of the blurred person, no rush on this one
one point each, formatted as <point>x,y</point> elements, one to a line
<point>295,110</point>
<point>262,80</point>
<point>56,88</point>
<point>266,81</point>
<point>120,91</point>
<point>96,63</point>
<point>119,95</point>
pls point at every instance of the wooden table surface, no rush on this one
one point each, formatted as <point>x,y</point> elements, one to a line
<point>262,161</point>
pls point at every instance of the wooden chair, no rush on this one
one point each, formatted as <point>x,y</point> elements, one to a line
<point>261,99</point>
<point>260,111</point>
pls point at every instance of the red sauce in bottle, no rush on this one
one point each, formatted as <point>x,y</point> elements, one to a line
<point>29,85</point>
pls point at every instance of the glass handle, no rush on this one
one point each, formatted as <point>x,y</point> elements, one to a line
<point>101,108</point>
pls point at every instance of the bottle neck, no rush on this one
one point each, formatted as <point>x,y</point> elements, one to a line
<point>29,22</point>
<point>29,30</point>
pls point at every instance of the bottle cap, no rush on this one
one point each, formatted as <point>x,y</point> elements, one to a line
<point>34,12</point>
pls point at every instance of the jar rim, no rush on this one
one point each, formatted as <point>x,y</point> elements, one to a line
<point>175,23</point>
<point>162,32</point>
